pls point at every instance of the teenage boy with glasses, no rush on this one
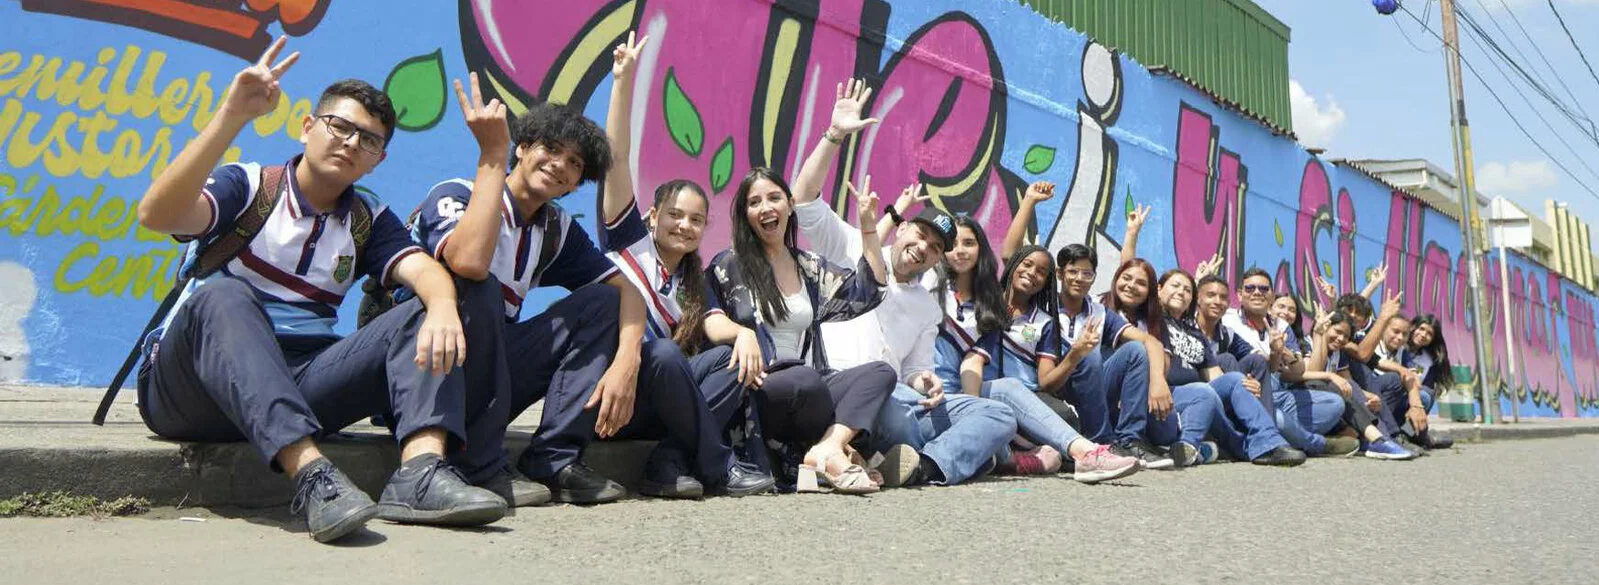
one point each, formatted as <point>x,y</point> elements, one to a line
<point>250,353</point>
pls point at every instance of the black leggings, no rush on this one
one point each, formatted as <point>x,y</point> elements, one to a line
<point>798,403</point>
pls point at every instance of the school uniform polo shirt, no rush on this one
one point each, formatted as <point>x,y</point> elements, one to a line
<point>1015,352</point>
<point>302,263</point>
<point>1111,325</point>
<point>628,245</point>
<point>1259,339</point>
<point>577,262</point>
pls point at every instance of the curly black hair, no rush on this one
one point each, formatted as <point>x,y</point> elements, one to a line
<point>374,101</point>
<point>554,125</point>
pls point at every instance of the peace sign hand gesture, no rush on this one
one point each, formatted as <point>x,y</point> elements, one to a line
<point>624,58</point>
<point>865,203</point>
<point>1136,217</point>
<point>254,91</point>
<point>487,122</point>
<point>913,194</point>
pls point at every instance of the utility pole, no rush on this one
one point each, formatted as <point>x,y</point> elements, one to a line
<point>1468,206</point>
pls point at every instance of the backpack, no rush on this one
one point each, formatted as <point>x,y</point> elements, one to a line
<point>211,256</point>
<point>377,299</point>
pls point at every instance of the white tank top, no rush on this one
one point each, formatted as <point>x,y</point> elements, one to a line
<point>788,335</point>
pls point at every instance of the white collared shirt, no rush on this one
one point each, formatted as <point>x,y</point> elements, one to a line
<point>900,331</point>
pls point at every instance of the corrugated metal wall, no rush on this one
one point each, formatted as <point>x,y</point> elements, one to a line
<point>1232,48</point>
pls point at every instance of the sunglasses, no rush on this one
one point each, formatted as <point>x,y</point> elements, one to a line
<point>1255,288</point>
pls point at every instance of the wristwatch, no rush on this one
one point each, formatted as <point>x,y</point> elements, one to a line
<point>893,214</point>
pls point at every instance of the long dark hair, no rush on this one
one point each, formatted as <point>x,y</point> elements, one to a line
<point>1188,312</point>
<point>690,332</point>
<point>1046,299</point>
<point>1437,349</point>
<point>750,253</point>
<point>986,290</point>
<point>1297,324</point>
<point>1150,314</point>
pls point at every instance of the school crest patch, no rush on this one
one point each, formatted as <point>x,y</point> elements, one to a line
<point>342,269</point>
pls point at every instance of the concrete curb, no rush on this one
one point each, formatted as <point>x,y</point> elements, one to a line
<point>232,474</point>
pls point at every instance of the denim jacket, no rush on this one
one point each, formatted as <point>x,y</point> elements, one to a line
<point>837,294</point>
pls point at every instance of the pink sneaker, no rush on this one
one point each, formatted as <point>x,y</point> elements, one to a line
<point>1100,464</point>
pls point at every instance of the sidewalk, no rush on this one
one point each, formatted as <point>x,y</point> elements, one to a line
<point>47,443</point>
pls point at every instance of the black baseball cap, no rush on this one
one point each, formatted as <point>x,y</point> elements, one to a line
<point>941,224</point>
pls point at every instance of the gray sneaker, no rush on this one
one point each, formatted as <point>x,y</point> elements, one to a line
<point>333,506</point>
<point>426,490</point>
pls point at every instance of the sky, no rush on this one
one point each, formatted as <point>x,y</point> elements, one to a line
<point>1372,86</point>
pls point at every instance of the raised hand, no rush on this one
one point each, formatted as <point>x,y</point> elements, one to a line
<point>865,203</point>
<point>1208,268</point>
<point>1327,288</point>
<point>847,110</point>
<point>254,91</point>
<point>1378,274</point>
<point>915,193</point>
<point>624,58</point>
<point>1323,318</point>
<point>1136,217</point>
<point>1039,191</point>
<point>1391,304</point>
<point>486,121</point>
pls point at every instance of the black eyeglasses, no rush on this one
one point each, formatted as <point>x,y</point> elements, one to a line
<point>342,129</point>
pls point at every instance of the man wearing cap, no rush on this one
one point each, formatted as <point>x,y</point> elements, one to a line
<point>924,435</point>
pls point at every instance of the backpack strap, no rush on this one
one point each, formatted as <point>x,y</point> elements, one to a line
<point>211,258</point>
<point>553,234</point>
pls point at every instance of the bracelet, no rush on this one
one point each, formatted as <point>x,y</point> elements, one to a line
<point>828,136</point>
<point>893,214</point>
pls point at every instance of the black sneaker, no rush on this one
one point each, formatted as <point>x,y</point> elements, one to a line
<point>516,489</point>
<point>742,482</point>
<point>1147,455</point>
<point>1427,440</point>
<point>1284,456</point>
<point>577,484</point>
<point>426,490</point>
<point>666,476</point>
<point>1409,444</point>
<point>333,506</point>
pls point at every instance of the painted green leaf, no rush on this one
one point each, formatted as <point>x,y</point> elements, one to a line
<point>722,165</point>
<point>1277,231</point>
<point>1039,158</point>
<point>416,86</point>
<point>1127,203</point>
<point>1326,269</point>
<point>682,119</point>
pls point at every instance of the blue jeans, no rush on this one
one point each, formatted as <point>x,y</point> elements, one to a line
<point>1116,388</point>
<point>1194,407</point>
<point>1304,415</point>
<point>1034,420</point>
<point>1259,434</point>
<point>960,435</point>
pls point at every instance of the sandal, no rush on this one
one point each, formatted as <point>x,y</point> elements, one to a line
<point>853,480</point>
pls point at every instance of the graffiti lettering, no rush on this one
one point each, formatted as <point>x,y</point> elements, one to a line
<point>239,30</point>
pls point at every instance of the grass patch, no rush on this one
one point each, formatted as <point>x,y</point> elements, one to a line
<point>61,504</point>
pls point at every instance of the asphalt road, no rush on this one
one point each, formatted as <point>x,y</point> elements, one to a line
<point>1509,512</point>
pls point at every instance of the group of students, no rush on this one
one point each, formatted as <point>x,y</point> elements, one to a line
<point>846,367</point>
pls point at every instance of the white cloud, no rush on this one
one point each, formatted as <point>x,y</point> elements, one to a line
<point>1316,125</point>
<point>1517,177</point>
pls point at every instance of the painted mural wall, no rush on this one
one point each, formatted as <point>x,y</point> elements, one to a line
<point>977,97</point>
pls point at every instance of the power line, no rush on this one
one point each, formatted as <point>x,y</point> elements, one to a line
<point>1406,35</point>
<point>1541,56</point>
<point>1484,38</point>
<point>1573,41</point>
<point>1534,109</point>
<point>1506,109</point>
<point>1545,58</point>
